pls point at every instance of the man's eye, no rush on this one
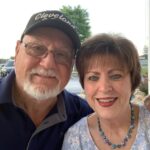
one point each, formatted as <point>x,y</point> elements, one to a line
<point>62,55</point>
<point>93,78</point>
<point>39,50</point>
<point>116,76</point>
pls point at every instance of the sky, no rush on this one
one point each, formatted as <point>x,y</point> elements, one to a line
<point>127,17</point>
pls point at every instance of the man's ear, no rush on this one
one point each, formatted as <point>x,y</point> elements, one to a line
<point>17,48</point>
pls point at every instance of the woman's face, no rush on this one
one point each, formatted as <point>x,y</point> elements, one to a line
<point>107,86</point>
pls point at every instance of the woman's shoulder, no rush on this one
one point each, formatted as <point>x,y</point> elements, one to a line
<point>144,112</point>
<point>72,139</point>
<point>142,141</point>
<point>79,125</point>
<point>78,137</point>
<point>144,118</point>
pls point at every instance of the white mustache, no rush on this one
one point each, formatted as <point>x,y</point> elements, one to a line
<point>44,72</point>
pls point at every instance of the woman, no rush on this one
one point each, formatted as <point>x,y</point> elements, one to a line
<point>109,71</point>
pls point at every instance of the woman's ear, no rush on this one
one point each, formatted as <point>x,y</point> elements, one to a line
<point>147,102</point>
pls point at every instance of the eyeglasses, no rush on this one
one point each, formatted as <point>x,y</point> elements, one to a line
<point>40,51</point>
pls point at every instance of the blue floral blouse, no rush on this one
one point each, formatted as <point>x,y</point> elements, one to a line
<point>78,136</point>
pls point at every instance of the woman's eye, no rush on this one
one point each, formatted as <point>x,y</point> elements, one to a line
<point>93,78</point>
<point>115,76</point>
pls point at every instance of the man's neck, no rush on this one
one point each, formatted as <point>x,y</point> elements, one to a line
<point>36,109</point>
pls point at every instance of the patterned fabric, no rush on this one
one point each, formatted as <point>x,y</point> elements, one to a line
<point>78,136</point>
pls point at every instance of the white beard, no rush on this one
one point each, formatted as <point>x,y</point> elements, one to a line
<point>41,92</point>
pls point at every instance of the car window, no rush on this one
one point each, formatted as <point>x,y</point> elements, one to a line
<point>9,63</point>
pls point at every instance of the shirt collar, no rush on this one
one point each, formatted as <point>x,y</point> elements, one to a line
<point>59,116</point>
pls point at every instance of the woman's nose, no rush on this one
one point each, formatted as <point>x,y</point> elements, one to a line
<point>104,85</point>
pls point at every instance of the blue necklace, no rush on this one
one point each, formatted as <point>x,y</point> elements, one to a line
<point>126,138</point>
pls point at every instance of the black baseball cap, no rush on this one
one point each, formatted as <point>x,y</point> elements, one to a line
<point>56,19</point>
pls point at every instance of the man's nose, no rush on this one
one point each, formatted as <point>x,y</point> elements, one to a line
<point>48,61</point>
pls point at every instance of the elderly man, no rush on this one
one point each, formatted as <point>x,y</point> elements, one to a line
<point>35,110</point>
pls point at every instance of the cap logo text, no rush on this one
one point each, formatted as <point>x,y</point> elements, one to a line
<point>46,16</point>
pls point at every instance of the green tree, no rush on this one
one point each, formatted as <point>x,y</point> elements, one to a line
<point>80,18</point>
<point>12,57</point>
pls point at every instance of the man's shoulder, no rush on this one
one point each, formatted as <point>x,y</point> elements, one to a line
<point>71,98</point>
<point>8,79</point>
<point>6,87</point>
<point>75,103</point>
<point>81,124</point>
<point>68,94</point>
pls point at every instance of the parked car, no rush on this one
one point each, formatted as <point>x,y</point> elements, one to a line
<point>1,65</point>
<point>7,67</point>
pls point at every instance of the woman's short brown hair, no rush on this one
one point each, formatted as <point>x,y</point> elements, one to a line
<point>110,45</point>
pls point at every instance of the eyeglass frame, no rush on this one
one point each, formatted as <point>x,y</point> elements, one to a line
<point>29,49</point>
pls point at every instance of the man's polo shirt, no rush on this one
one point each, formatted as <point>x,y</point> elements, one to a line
<point>18,132</point>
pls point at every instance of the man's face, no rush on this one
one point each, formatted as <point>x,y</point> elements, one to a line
<point>43,62</point>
